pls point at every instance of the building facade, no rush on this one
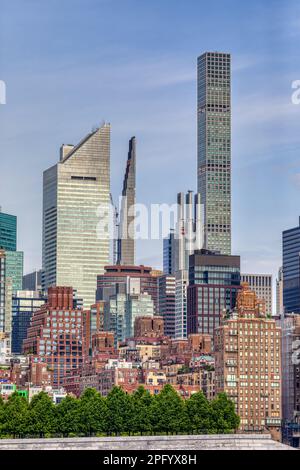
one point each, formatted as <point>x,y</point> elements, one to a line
<point>279,293</point>
<point>166,302</point>
<point>262,285</point>
<point>214,282</point>
<point>33,281</point>
<point>76,202</point>
<point>291,269</point>
<point>169,254</point>
<point>24,304</point>
<point>55,336</point>
<point>248,364</point>
<point>8,231</point>
<point>214,148</point>
<point>126,241</point>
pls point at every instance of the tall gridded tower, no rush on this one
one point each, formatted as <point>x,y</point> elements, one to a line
<point>214,148</point>
<point>76,201</point>
<point>8,231</point>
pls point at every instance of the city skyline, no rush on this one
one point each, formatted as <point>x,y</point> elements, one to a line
<point>167,88</point>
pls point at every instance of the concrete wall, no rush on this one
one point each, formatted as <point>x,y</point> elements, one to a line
<point>203,442</point>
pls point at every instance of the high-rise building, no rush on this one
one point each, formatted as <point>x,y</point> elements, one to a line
<point>248,364</point>
<point>166,303</point>
<point>291,269</point>
<point>214,282</point>
<point>279,293</point>
<point>14,268</point>
<point>214,148</point>
<point>121,311</point>
<point>24,304</point>
<point>2,291</point>
<point>76,203</point>
<point>8,231</point>
<point>188,238</point>
<point>169,254</point>
<point>126,242</point>
<point>262,285</point>
<point>33,281</point>
<point>132,279</point>
<point>55,336</point>
<point>290,326</point>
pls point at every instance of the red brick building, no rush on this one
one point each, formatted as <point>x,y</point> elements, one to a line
<point>55,335</point>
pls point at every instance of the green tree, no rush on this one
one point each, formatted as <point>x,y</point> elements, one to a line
<point>141,404</point>
<point>92,412</point>
<point>42,415</point>
<point>168,411</point>
<point>120,411</point>
<point>68,416</point>
<point>225,419</point>
<point>15,416</point>
<point>199,413</point>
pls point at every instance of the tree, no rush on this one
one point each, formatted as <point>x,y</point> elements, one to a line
<point>42,416</point>
<point>120,411</point>
<point>199,413</point>
<point>168,412</point>
<point>225,419</point>
<point>15,416</point>
<point>92,412</point>
<point>141,404</point>
<point>68,416</point>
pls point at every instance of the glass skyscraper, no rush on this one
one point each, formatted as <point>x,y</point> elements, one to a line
<point>8,231</point>
<point>214,148</point>
<point>76,201</point>
<point>291,269</point>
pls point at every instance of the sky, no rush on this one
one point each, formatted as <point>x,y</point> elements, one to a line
<point>70,64</point>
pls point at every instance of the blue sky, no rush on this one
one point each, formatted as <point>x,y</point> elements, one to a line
<point>70,64</point>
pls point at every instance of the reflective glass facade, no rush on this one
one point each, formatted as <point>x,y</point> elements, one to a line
<point>76,215</point>
<point>291,269</point>
<point>8,232</point>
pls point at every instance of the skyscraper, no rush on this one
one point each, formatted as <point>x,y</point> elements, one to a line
<point>126,242</point>
<point>169,254</point>
<point>214,148</point>
<point>279,293</point>
<point>76,203</point>
<point>291,269</point>
<point>189,237</point>
<point>8,231</point>
<point>214,283</point>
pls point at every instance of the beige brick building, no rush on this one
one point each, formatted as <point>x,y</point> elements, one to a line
<point>248,363</point>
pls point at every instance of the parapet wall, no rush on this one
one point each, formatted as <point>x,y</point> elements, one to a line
<point>202,442</point>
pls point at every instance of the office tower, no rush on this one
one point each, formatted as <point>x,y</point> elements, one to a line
<point>214,282</point>
<point>55,336</point>
<point>2,291</point>
<point>291,269</point>
<point>132,279</point>
<point>189,237</point>
<point>76,202</point>
<point>8,231</point>
<point>169,254</point>
<point>279,293</point>
<point>248,364</point>
<point>121,311</point>
<point>166,303</point>
<point>126,242</point>
<point>114,232</point>
<point>290,341</point>
<point>14,268</point>
<point>24,304</point>
<point>33,281</point>
<point>262,285</point>
<point>214,148</point>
